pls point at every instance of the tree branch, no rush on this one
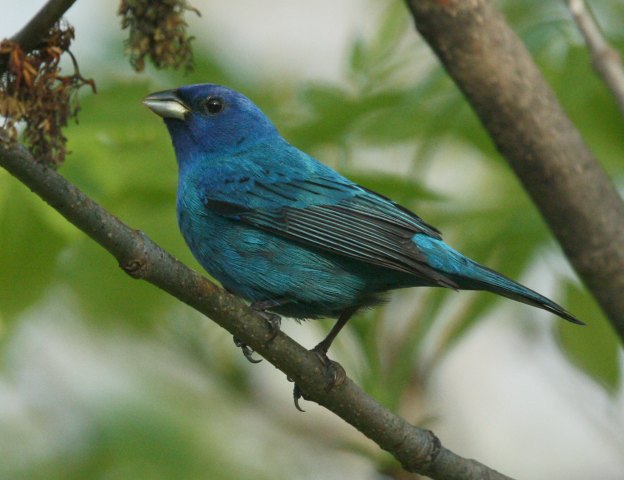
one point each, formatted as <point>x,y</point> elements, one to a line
<point>418,450</point>
<point>605,59</point>
<point>492,67</point>
<point>38,26</point>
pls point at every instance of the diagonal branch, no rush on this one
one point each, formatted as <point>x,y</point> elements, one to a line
<point>39,25</point>
<point>418,450</point>
<point>496,73</point>
<point>605,58</point>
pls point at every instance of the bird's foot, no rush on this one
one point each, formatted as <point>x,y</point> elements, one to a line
<point>273,320</point>
<point>247,350</point>
<point>333,372</point>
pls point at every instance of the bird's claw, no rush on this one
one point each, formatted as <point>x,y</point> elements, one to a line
<point>297,395</point>
<point>334,373</point>
<point>334,376</point>
<point>273,320</point>
<point>247,351</point>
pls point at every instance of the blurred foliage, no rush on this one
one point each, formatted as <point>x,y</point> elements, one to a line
<point>429,153</point>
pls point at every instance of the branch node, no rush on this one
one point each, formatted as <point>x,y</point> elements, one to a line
<point>137,265</point>
<point>135,268</point>
<point>436,447</point>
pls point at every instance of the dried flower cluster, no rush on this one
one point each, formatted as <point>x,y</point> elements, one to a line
<point>33,91</point>
<point>157,31</point>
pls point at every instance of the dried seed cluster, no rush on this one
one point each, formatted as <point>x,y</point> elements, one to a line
<point>33,91</point>
<point>157,31</point>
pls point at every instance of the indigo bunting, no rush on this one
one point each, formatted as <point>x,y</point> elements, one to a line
<point>291,235</point>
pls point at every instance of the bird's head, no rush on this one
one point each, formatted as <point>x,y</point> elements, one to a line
<point>207,119</point>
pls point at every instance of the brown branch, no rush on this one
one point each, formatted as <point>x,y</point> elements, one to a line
<point>417,450</point>
<point>492,67</point>
<point>605,59</point>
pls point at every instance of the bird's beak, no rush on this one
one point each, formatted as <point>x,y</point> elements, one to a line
<point>166,104</point>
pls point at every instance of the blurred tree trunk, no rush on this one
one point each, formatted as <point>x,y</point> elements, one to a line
<point>494,70</point>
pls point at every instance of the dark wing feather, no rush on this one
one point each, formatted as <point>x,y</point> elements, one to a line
<point>364,226</point>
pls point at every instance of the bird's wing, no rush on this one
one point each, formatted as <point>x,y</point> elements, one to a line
<point>335,215</point>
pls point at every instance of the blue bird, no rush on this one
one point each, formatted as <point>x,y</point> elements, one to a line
<point>291,235</point>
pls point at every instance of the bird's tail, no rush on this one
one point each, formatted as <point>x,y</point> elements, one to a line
<point>469,275</point>
<point>483,278</point>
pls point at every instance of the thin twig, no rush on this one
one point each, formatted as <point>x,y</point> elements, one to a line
<point>605,59</point>
<point>418,450</point>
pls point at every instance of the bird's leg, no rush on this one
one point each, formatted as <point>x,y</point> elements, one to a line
<point>274,321</point>
<point>334,373</point>
<point>322,348</point>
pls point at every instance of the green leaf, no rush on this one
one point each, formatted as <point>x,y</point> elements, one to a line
<point>392,29</point>
<point>357,59</point>
<point>331,114</point>
<point>595,348</point>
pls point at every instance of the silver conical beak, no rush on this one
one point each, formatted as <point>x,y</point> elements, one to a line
<point>166,104</point>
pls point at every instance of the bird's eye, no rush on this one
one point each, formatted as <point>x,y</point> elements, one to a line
<point>214,105</point>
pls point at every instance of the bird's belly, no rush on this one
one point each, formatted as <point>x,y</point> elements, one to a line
<point>259,266</point>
